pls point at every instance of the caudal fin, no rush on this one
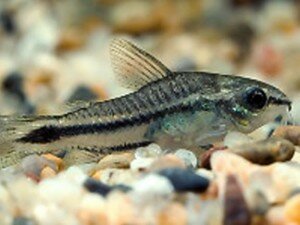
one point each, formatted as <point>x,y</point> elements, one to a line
<point>13,128</point>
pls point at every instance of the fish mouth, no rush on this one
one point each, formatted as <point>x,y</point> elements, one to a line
<point>279,101</point>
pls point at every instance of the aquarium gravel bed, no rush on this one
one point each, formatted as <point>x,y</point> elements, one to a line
<point>152,186</point>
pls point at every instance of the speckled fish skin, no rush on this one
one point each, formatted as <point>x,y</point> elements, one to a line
<point>173,109</point>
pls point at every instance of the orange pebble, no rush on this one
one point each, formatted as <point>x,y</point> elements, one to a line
<point>47,172</point>
<point>96,175</point>
<point>173,214</point>
<point>58,161</point>
<point>292,209</point>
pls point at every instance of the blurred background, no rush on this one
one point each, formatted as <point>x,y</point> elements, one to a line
<point>55,52</point>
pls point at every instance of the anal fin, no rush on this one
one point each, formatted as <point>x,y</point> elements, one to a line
<point>76,156</point>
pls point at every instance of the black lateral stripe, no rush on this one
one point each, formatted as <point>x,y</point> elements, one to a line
<point>50,133</point>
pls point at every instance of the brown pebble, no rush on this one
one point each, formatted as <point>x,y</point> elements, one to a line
<point>167,161</point>
<point>47,172</point>
<point>236,211</point>
<point>266,151</point>
<point>292,209</point>
<point>275,216</point>
<point>173,214</point>
<point>291,133</point>
<point>70,40</point>
<point>205,157</point>
<point>121,161</point>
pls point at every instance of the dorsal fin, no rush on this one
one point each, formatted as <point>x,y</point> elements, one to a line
<point>133,66</point>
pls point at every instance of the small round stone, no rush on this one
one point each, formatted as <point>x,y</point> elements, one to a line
<point>236,210</point>
<point>185,180</point>
<point>167,161</point>
<point>187,157</point>
<point>292,209</point>
<point>98,187</point>
<point>47,172</point>
<point>150,151</point>
<point>173,214</point>
<point>152,189</point>
<point>141,164</point>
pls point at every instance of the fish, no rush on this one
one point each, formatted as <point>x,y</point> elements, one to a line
<point>173,109</point>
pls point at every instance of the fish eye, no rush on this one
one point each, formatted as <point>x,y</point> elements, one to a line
<point>255,98</point>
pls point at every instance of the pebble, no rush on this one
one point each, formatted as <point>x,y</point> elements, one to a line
<point>58,161</point>
<point>13,85</point>
<point>73,174</point>
<point>141,164</point>
<point>115,161</point>
<point>275,216</point>
<point>291,133</point>
<point>70,40</point>
<point>185,180</point>
<point>120,209</point>
<point>167,161</point>
<point>8,22</point>
<point>150,151</point>
<point>33,165</point>
<point>286,175</point>
<point>152,189</point>
<point>269,60</point>
<point>236,211</point>
<point>49,214</point>
<point>91,210</point>
<point>226,163</point>
<point>82,93</point>
<point>205,157</point>
<point>173,214</point>
<point>188,157</point>
<point>47,172</point>
<point>292,209</point>
<point>69,195</point>
<point>99,187</point>
<point>24,195</point>
<point>116,176</point>
<point>266,151</point>
<point>208,174</point>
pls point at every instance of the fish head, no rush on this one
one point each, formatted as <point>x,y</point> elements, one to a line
<point>251,103</point>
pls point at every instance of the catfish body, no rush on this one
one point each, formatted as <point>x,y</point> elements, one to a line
<point>173,109</point>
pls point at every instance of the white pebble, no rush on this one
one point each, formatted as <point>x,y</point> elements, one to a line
<point>140,164</point>
<point>187,157</point>
<point>205,173</point>
<point>152,189</point>
<point>24,193</point>
<point>150,151</point>
<point>61,192</point>
<point>91,202</point>
<point>74,174</point>
<point>49,214</point>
